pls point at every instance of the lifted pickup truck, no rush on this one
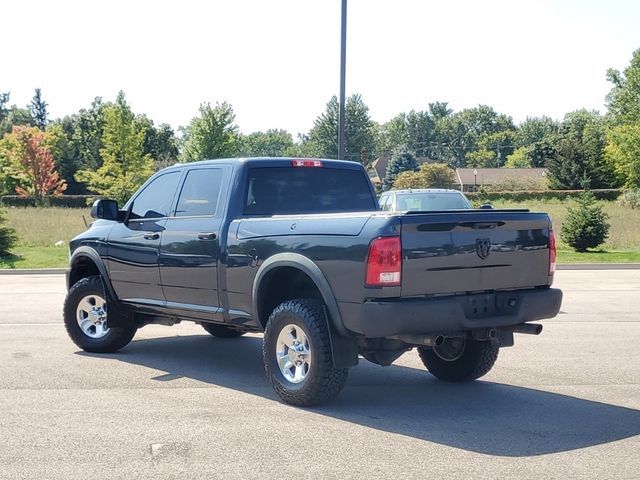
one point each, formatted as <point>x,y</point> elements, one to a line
<point>299,250</point>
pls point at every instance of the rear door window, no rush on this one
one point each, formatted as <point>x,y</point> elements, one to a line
<point>286,190</point>
<point>200,193</point>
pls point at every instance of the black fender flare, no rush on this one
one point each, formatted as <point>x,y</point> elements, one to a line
<point>306,265</point>
<point>122,315</point>
<point>343,347</point>
<point>98,261</point>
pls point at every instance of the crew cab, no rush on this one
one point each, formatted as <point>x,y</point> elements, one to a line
<point>298,249</point>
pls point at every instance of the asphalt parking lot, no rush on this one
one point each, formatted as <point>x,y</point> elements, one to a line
<point>177,403</point>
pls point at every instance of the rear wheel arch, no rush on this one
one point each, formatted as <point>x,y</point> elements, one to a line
<point>311,283</point>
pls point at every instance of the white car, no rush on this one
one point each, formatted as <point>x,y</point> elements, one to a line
<point>424,200</point>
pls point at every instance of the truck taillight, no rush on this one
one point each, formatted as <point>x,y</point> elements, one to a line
<point>306,163</point>
<point>384,264</point>
<point>552,252</point>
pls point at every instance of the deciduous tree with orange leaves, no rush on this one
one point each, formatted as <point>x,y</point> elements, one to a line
<point>31,163</point>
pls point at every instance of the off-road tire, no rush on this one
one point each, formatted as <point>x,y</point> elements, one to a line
<point>221,331</point>
<point>115,338</point>
<point>323,381</point>
<point>476,361</point>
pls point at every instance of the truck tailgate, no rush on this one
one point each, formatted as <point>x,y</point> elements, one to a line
<point>473,251</point>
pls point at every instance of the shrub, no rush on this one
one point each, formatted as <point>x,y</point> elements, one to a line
<point>522,196</point>
<point>515,184</point>
<point>8,236</point>
<point>586,225</point>
<point>70,201</point>
<point>630,198</point>
<point>429,175</point>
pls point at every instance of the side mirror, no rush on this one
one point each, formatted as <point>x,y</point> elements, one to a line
<point>105,209</point>
<point>486,206</point>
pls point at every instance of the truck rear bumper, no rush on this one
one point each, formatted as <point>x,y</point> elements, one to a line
<point>384,318</point>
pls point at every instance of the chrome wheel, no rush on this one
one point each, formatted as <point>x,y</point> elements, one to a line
<point>91,315</point>
<point>293,353</point>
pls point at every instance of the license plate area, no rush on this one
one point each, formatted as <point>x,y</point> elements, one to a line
<point>490,305</point>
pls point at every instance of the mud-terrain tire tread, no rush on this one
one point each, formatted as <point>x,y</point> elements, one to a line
<point>476,361</point>
<point>221,331</point>
<point>325,381</point>
<point>114,340</point>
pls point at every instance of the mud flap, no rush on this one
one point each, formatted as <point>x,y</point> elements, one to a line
<point>344,350</point>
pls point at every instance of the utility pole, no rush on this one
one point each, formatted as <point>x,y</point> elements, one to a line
<point>343,64</point>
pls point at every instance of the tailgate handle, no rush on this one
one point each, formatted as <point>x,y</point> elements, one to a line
<point>481,225</point>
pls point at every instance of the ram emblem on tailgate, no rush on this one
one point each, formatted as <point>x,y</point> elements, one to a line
<point>483,247</point>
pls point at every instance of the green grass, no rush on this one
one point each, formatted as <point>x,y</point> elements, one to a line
<point>38,231</point>
<point>624,256</point>
<point>40,228</point>
<point>624,235</point>
<point>36,257</point>
<point>43,227</point>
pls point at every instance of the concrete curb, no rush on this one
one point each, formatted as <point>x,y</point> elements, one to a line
<point>32,271</point>
<point>598,266</point>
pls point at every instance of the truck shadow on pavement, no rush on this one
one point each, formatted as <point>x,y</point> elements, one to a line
<point>482,416</point>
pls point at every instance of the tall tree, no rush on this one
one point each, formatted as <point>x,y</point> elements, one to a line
<point>4,101</point>
<point>401,162</point>
<point>462,132</point>
<point>213,134</point>
<point>623,153</point>
<point>272,143</point>
<point>88,134</point>
<point>414,130</point>
<point>66,153</point>
<point>492,149</point>
<point>579,161</point>
<point>623,100</point>
<point>439,110</point>
<point>31,164</point>
<point>160,142</point>
<point>535,141</point>
<point>126,165</point>
<point>38,109</point>
<point>535,129</point>
<point>322,140</point>
<point>12,116</point>
<point>78,141</point>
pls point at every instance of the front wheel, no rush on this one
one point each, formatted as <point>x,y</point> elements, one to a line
<point>459,359</point>
<point>297,354</point>
<point>85,318</point>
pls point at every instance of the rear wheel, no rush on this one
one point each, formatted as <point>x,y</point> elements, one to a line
<point>85,318</point>
<point>297,354</point>
<point>221,331</point>
<point>459,359</point>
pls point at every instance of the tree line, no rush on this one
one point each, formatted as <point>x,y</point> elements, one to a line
<point>110,150</point>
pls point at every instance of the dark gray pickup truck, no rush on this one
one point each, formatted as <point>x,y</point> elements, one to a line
<point>299,250</point>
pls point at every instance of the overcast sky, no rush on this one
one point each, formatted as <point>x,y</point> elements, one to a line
<point>277,62</point>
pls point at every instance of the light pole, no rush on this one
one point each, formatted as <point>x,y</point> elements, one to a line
<point>343,63</point>
<point>475,174</point>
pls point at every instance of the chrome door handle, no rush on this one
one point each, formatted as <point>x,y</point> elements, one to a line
<point>206,236</point>
<point>151,236</point>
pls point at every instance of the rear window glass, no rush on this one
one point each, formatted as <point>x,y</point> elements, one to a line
<point>424,202</point>
<point>287,190</point>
